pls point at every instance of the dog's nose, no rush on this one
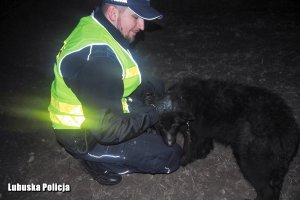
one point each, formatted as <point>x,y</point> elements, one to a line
<point>170,143</point>
<point>169,139</point>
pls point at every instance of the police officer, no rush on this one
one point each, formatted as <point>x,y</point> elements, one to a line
<point>97,108</point>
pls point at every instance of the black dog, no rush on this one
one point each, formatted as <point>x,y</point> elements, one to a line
<point>256,123</point>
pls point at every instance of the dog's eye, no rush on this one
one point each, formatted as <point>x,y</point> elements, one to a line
<point>174,125</point>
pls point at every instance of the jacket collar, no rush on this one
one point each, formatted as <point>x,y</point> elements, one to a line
<point>99,16</point>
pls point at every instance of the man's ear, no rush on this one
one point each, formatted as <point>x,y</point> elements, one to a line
<point>112,13</point>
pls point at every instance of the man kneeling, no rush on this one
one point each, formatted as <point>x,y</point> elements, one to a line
<point>97,108</point>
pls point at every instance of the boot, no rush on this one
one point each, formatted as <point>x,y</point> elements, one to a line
<point>102,176</point>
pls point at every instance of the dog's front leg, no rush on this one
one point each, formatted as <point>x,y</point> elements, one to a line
<point>186,157</point>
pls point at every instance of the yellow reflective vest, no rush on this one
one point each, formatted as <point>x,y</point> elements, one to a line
<point>65,109</point>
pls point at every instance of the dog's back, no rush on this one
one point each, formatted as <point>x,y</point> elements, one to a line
<point>255,122</point>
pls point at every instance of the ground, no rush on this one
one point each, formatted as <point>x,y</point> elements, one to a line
<point>260,48</point>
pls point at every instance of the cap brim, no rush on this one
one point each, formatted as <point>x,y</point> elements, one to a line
<point>146,12</point>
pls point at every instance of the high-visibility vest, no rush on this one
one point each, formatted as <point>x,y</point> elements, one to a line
<point>65,109</point>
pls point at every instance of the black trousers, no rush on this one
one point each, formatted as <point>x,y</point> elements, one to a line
<point>144,154</point>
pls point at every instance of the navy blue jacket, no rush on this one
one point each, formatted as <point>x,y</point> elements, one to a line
<point>98,85</point>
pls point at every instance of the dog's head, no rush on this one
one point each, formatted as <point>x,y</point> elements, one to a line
<point>175,111</point>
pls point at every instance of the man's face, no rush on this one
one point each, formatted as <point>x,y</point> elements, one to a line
<point>129,24</point>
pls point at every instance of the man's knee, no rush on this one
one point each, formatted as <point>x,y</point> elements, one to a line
<point>168,161</point>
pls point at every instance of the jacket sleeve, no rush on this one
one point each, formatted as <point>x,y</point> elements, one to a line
<point>96,80</point>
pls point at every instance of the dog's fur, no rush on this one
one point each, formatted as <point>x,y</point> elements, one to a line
<point>256,123</point>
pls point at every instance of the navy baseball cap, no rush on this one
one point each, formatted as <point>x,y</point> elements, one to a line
<point>140,7</point>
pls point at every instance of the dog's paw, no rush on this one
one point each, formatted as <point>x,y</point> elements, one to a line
<point>184,160</point>
<point>204,150</point>
<point>202,153</point>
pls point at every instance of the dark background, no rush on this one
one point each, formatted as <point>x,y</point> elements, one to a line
<point>248,41</point>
